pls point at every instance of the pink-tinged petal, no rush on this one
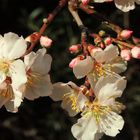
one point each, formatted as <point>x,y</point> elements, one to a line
<point>17,73</point>
<point>83,67</point>
<point>85,129</point>
<point>59,89</point>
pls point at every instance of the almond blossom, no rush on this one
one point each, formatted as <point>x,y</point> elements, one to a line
<point>100,63</point>
<point>38,80</point>
<point>101,115</point>
<point>71,95</point>
<point>12,48</point>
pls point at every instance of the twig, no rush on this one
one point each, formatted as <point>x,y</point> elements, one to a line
<point>46,22</point>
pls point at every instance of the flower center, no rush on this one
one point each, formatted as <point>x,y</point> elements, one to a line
<point>4,65</point>
<point>98,110</point>
<point>72,100</point>
<point>98,68</point>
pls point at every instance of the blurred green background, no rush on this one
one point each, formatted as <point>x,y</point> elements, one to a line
<point>43,119</point>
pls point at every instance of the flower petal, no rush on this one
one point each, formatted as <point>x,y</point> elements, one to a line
<point>2,77</point>
<point>59,89</point>
<point>125,5</point>
<point>13,46</point>
<point>12,105</point>
<point>81,101</point>
<point>67,106</point>
<point>40,88</point>
<point>29,60</point>
<point>85,128</point>
<point>117,65</point>
<point>111,124</point>
<point>3,100</point>
<point>83,67</point>
<point>109,88</point>
<point>38,66</point>
<point>106,55</point>
<point>17,73</point>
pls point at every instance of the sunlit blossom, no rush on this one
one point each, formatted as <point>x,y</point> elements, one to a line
<point>71,95</point>
<point>101,115</point>
<point>38,80</point>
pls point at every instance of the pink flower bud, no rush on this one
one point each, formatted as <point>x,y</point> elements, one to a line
<point>107,41</point>
<point>102,45</point>
<point>74,62</point>
<point>85,1</point>
<point>45,41</point>
<point>126,54</point>
<point>136,52</point>
<point>74,48</point>
<point>125,34</point>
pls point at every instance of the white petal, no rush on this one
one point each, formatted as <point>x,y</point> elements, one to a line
<point>12,105</point>
<point>18,50</point>
<point>17,73</point>
<point>40,88</point>
<point>83,67</point>
<point>14,46</point>
<point>2,77</point>
<point>106,55</point>
<point>81,101</point>
<point>85,128</point>
<point>111,124</point>
<point>125,5</point>
<point>42,63</point>
<point>3,100</point>
<point>137,1</point>
<point>68,108</point>
<point>117,65</point>
<point>29,59</point>
<point>109,88</point>
<point>59,89</point>
<point>92,80</point>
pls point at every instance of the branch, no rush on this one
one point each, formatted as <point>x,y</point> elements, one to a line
<point>46,22</point>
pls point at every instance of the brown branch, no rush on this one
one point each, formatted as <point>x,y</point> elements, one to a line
<point>46,22</point>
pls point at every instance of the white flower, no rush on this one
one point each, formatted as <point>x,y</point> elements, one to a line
<point>124,5</point>
<point>10,97</point>
<point>12,70</point>
<point>37,67</point>
<point>72,98</point>
<point>101,115</point>
<point>102,63</point>
<point>12,48</point>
